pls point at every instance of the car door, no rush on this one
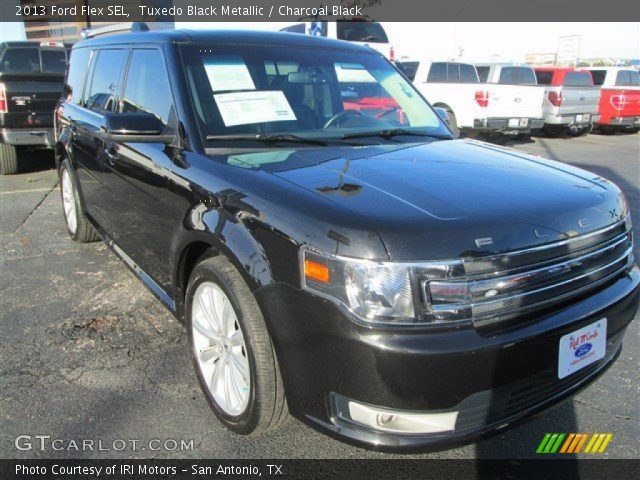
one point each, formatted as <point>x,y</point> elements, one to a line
<point>100,97</point>
<point>140,200</point>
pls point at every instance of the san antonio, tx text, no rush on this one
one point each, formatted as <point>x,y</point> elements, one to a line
<point>142,469</point>
<point>250,11</point>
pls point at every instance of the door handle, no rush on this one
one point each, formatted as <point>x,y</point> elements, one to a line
<point>111,155</point>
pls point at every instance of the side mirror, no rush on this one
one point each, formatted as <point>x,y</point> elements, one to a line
<point>133,127</point>
<point>444,116</point>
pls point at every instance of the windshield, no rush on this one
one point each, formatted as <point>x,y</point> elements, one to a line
<point>308,92</point>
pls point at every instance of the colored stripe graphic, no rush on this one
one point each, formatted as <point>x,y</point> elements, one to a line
<point>582,442</point>
<point>574,442</point>
<point>543,443</point>
<point>567,443</point>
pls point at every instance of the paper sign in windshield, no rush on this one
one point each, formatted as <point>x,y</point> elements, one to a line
<point>242,108</point>
<point>229,74</point>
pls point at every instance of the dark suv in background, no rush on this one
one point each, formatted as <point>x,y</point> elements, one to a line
<point>31,78</point>
<point>365,271</point>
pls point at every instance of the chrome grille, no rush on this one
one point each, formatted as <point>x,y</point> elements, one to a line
<point>496,288</point>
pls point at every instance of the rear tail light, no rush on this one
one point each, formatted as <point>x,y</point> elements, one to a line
<point>3,99</point>
<point>555,98</point>
<point>482,98</point>
<point>618,101</point>
<point>392,54</point>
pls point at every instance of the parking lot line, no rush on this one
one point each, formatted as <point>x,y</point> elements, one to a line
<point>593,141</point>
<point>33,190</point>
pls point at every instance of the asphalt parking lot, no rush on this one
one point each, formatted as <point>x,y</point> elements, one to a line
<point>88,353</point>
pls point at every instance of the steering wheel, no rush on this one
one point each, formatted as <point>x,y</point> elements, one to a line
<point>341,115</point>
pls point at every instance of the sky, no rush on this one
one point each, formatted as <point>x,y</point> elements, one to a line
<point>478,41</point>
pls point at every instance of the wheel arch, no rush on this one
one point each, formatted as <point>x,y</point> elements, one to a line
<point>235,242</point>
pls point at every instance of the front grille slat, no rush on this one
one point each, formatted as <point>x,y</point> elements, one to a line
<point>557,273</point>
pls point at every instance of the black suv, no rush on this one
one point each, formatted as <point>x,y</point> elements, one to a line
<point>336,254</point>
<point>31,78</point>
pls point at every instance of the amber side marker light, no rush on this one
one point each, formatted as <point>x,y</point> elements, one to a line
<point>316,271</point>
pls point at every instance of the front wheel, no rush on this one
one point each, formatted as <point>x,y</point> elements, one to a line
<point>231,349</point>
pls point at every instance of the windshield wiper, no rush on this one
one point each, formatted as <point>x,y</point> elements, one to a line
<point>267,138</point>
<point>393,132</point>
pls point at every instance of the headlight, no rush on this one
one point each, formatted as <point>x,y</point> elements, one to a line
<point>375,292</point>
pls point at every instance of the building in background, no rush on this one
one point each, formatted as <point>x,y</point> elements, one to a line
<point>55,29</point>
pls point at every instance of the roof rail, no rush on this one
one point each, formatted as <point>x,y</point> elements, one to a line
<point>115,28</point>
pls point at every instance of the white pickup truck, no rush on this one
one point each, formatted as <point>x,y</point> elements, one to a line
<point>514,98</point>
<point>453,86</point>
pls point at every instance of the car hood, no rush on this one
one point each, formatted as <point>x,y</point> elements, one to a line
<point>453,198</point>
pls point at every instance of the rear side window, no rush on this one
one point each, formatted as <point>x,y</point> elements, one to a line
<point>452,73</point>
<point>598,76</point>
<point>544,78</point>
<point>54,61</point>
<point>371,32</point>
<point>20,60</point>
<point>147,89</point>
<point>437,72</point>
<point>103,93</point>
<point>468,73</point>
<point>578,79</point>
<point>78,63</point>
<point>517,76</point>
<point>409,69</point>
<point>627,78</point>
<point>483,74</point>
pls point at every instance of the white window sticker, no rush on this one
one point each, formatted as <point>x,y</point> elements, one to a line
<point>353,73</point>
<point>229,74</point>
<point>242,108</point>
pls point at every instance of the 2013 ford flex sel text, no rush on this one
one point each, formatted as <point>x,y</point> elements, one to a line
<point>363,271</point>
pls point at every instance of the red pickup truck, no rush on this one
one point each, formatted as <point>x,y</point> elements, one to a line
<point>570,102</point>
<point>619,106</point>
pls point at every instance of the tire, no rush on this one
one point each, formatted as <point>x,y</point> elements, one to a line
<point>8,159</point>
<point>581,132</point>
<point>453,123</point>
<point>265,406</point>
<point>609,129</point>
<point>80,230</point>
<point>555,131</point>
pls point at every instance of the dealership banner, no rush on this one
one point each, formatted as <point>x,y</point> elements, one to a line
<point>436,469</point>
<point>295,10</point>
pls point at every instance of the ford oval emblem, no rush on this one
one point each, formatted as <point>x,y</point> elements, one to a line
<point>582,350</point>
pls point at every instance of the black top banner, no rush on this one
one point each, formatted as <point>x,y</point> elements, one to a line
<point>297,10</point>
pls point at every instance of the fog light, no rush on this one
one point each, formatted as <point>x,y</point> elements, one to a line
<point>392,421</point>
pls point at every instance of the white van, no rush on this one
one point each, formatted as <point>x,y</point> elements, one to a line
<point>362,32</point>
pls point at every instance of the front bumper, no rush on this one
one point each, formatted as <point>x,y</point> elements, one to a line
<point>578,119</point>
<point>514,124</point>
<point>492,379</point>
<point>36,136</point>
